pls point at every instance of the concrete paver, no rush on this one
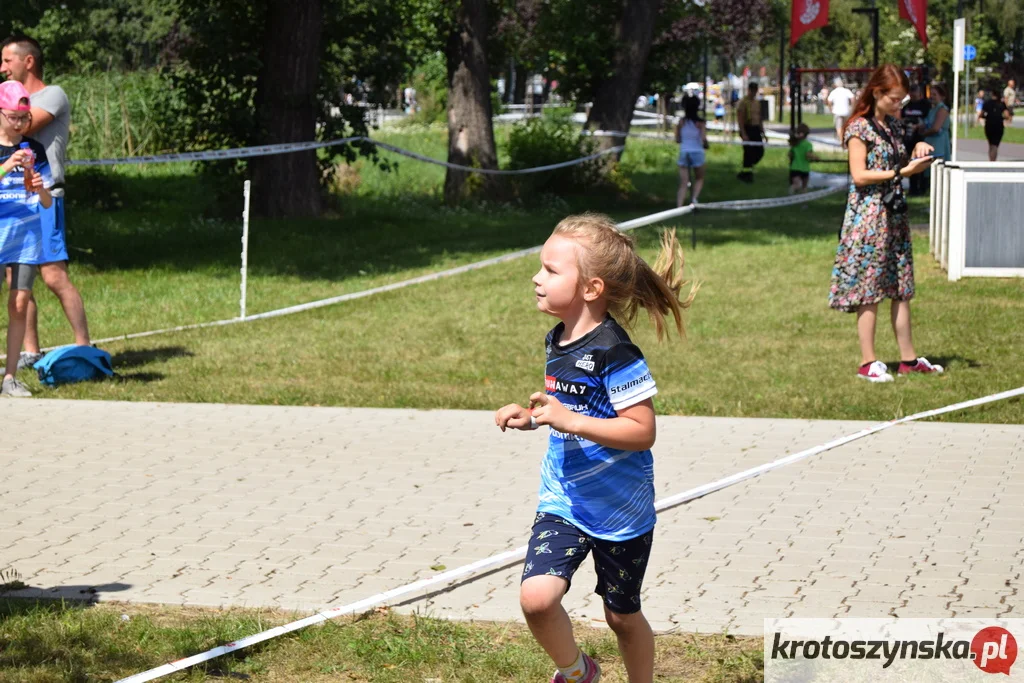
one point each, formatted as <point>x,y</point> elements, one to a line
<point>308,508</point>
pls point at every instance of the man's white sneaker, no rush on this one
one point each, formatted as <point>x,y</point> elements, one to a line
<point>27,360</point>
<point>13,388</point>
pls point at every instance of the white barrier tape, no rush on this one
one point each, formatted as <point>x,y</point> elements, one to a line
<point>745,204</point>
<point>518,554</point>
<point>655,136</point>
<point>488,171</point>
<point>655,217</point>
<point>716,125</point>
<point>652,115</point>
<point>216,154</point>
<point>775,464</point>
<point>291,147</point>
<point>669,138</point>
<point>320,303</point>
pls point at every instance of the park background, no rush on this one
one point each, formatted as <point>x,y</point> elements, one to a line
<point>157,245</point>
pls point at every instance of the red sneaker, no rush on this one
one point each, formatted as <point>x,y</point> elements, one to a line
<point>876,372</point>
<point>593,672</point>
<point>923,365</point>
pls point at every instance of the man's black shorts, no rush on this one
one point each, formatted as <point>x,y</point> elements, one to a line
<point>557,548</point>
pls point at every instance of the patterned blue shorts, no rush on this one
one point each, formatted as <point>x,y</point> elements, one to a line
<point>557,548</point>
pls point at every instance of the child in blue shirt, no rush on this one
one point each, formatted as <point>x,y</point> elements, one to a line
<point>24,191</point>
<point>597,479</point>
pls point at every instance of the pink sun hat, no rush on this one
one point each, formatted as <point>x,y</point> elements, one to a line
<point>11,95</point>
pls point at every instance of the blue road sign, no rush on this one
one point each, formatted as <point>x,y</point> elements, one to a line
<point>970,52</point>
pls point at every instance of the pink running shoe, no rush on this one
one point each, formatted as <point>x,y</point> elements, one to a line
<point>876,372</point>
<point>923,365</point>
<point>593,672</point>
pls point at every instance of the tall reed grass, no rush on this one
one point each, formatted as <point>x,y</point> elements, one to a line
<point>121,114</point>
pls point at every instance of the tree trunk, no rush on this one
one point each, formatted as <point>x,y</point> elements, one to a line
<point>519,94</point>
<point>662,112</point>
<point>616,95</point>
<point>288,185</point>
<point>470,129</point>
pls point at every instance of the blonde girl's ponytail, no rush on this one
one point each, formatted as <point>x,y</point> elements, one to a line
<point>658,288</point>
<point>629,282</point>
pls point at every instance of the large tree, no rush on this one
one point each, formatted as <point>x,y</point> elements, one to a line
<point>96,35</point>
<point>470,128</point>
<point>255,72</point>
<point>616,94</point>
<point>286,109</point>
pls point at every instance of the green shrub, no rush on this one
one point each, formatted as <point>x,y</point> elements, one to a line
<point>552,138</point>
<point>431,83</point>
<point>121,114</point>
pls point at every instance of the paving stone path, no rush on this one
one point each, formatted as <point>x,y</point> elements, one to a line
<point>308,508</point>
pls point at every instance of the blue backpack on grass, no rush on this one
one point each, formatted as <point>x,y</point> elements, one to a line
<point>70,364</point>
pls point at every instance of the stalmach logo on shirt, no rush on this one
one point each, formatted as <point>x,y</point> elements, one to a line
<point>573,388</point>
<point>630,384</point>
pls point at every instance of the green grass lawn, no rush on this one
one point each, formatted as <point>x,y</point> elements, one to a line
<point>814,120</point>
<point>762,341</point>
<point>50,641</point>
<point>1010,134</point>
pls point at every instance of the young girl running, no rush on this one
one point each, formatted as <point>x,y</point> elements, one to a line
<point>597,479</point>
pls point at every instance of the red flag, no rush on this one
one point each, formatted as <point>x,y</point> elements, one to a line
<point>806,15</point>
<point>916,12</point>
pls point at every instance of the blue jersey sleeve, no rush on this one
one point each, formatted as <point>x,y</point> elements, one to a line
<point>626,377</point>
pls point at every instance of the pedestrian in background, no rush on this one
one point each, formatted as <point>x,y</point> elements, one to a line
<point>748,117</point>
<point>874,260</point>
<point>996,115</point>
<point>692,136</point>
<point>914,113</point>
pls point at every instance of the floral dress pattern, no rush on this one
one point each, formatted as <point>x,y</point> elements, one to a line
<point>874,260</point>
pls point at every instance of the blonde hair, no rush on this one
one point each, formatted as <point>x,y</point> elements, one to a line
<point>629,283</point>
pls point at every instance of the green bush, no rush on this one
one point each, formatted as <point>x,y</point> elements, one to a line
<point>551,139</point>
<point>122,114</point>
<point>431,83</point>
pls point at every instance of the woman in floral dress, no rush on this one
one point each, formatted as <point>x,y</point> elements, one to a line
<point>874,260</point>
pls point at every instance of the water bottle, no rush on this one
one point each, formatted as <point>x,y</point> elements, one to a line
<point>28,166</point>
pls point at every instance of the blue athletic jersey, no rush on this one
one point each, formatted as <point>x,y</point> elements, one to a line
<point>20,227</point>
<point>606,492</point>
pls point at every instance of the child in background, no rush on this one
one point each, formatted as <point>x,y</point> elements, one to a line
<point>597,479</point>
<point>800,156</point>
<point>692,136</point>
<point>24,191</point>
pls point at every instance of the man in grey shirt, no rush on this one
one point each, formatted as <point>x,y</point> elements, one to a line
<point>21,59</point>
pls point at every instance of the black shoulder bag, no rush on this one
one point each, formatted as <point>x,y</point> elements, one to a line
<point>892,197</point>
